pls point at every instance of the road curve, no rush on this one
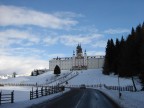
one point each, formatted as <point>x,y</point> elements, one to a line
<point>80,98</point>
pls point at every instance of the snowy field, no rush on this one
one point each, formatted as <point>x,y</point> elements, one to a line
<point>28,103</point>
<point>40,79</point>
<point>95,76</point>
<point>88,77</point>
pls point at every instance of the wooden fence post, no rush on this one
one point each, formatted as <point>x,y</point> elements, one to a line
<point>12,96</point>
<point>0,97</point>
<point>45,91</point>
<point>51,90</point>
<point>37,93</point>
<point>57,88</point>
<point>42,91</point>
<point>32,92</point>
<point>30,95</point>
<point>54,89</point>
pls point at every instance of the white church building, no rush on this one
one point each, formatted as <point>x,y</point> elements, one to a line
<point>78,61</point>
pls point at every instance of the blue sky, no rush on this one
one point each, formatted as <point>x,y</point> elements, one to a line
<point>34,31</point>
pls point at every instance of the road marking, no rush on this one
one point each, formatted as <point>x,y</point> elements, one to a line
<point>80,100</point>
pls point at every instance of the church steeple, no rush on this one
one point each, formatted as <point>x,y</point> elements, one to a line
<point>79,50</point>
<point>85,51</point>
<point>73,52</point>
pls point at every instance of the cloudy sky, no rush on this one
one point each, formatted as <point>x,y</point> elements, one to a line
<point>34,31</point>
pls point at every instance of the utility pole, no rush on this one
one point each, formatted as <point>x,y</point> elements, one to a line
<point>134,84</point>
<point>119,86</point>
<point>98,62</point>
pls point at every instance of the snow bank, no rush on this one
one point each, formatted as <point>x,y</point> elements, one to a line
<point>95,76</point>
<point>28,103</point>
<point>40,79</point>
<point>88,77</point>
<point>128,99</point>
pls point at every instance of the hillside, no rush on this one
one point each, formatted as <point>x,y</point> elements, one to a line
<point>88,77</point>
<point>40,79</point>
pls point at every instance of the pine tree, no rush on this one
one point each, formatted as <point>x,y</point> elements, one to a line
<point>57,70</point>
<point>116,56</point>
<point>112,56</point>
<point>32,74</point>
<point>122,61</point>
<point>141,55</point>
<point>126,57</point>
<point>37,72</point>
<point>109,58</point>
<point>106,67</point>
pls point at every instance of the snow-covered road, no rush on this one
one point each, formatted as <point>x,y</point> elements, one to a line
<point>80,98</point>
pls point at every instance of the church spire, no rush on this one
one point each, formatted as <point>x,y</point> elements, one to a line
<point>78,45</point>
<point>73,52</point>
<point>85,51</point>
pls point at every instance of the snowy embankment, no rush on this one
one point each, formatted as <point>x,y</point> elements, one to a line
<point>88,77</point>
<point>95,76</point>
<point>128,99</point>
<point>28,103</point>
<point>45,78</point>
<point>22,93</point>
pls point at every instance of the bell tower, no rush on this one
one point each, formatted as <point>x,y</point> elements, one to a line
<point>79,51</point>
<point>85,59</point>
<point>73,59</point>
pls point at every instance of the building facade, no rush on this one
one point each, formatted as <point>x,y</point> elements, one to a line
<point>78,61</point>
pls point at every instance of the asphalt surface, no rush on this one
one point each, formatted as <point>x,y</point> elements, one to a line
<point>80,98</point>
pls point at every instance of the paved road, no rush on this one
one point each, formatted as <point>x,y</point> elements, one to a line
<point>80,98</point>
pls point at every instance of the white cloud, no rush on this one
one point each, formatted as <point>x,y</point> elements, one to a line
<point>85,29</point>
<point>71,40</point>
<point>116,31</point>
<point>92,53</point>
<point>50,40</point>
<point>20,65</point>
<point>68,15</point>
<point>23,52</point>
<point>13,36</point>
<point>11,15</point>
<point>101,43</point>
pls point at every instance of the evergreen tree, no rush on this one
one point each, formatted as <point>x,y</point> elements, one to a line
<point>122,55</point>
<point>109,58</point>
<point>116,56</point>
<point>112,56</point>
<point>141,56</point>
<point>37,72</point>
<point>32,74</point>
<point>106,67</point>
<point>126,57</point>
<point>57,70</point>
